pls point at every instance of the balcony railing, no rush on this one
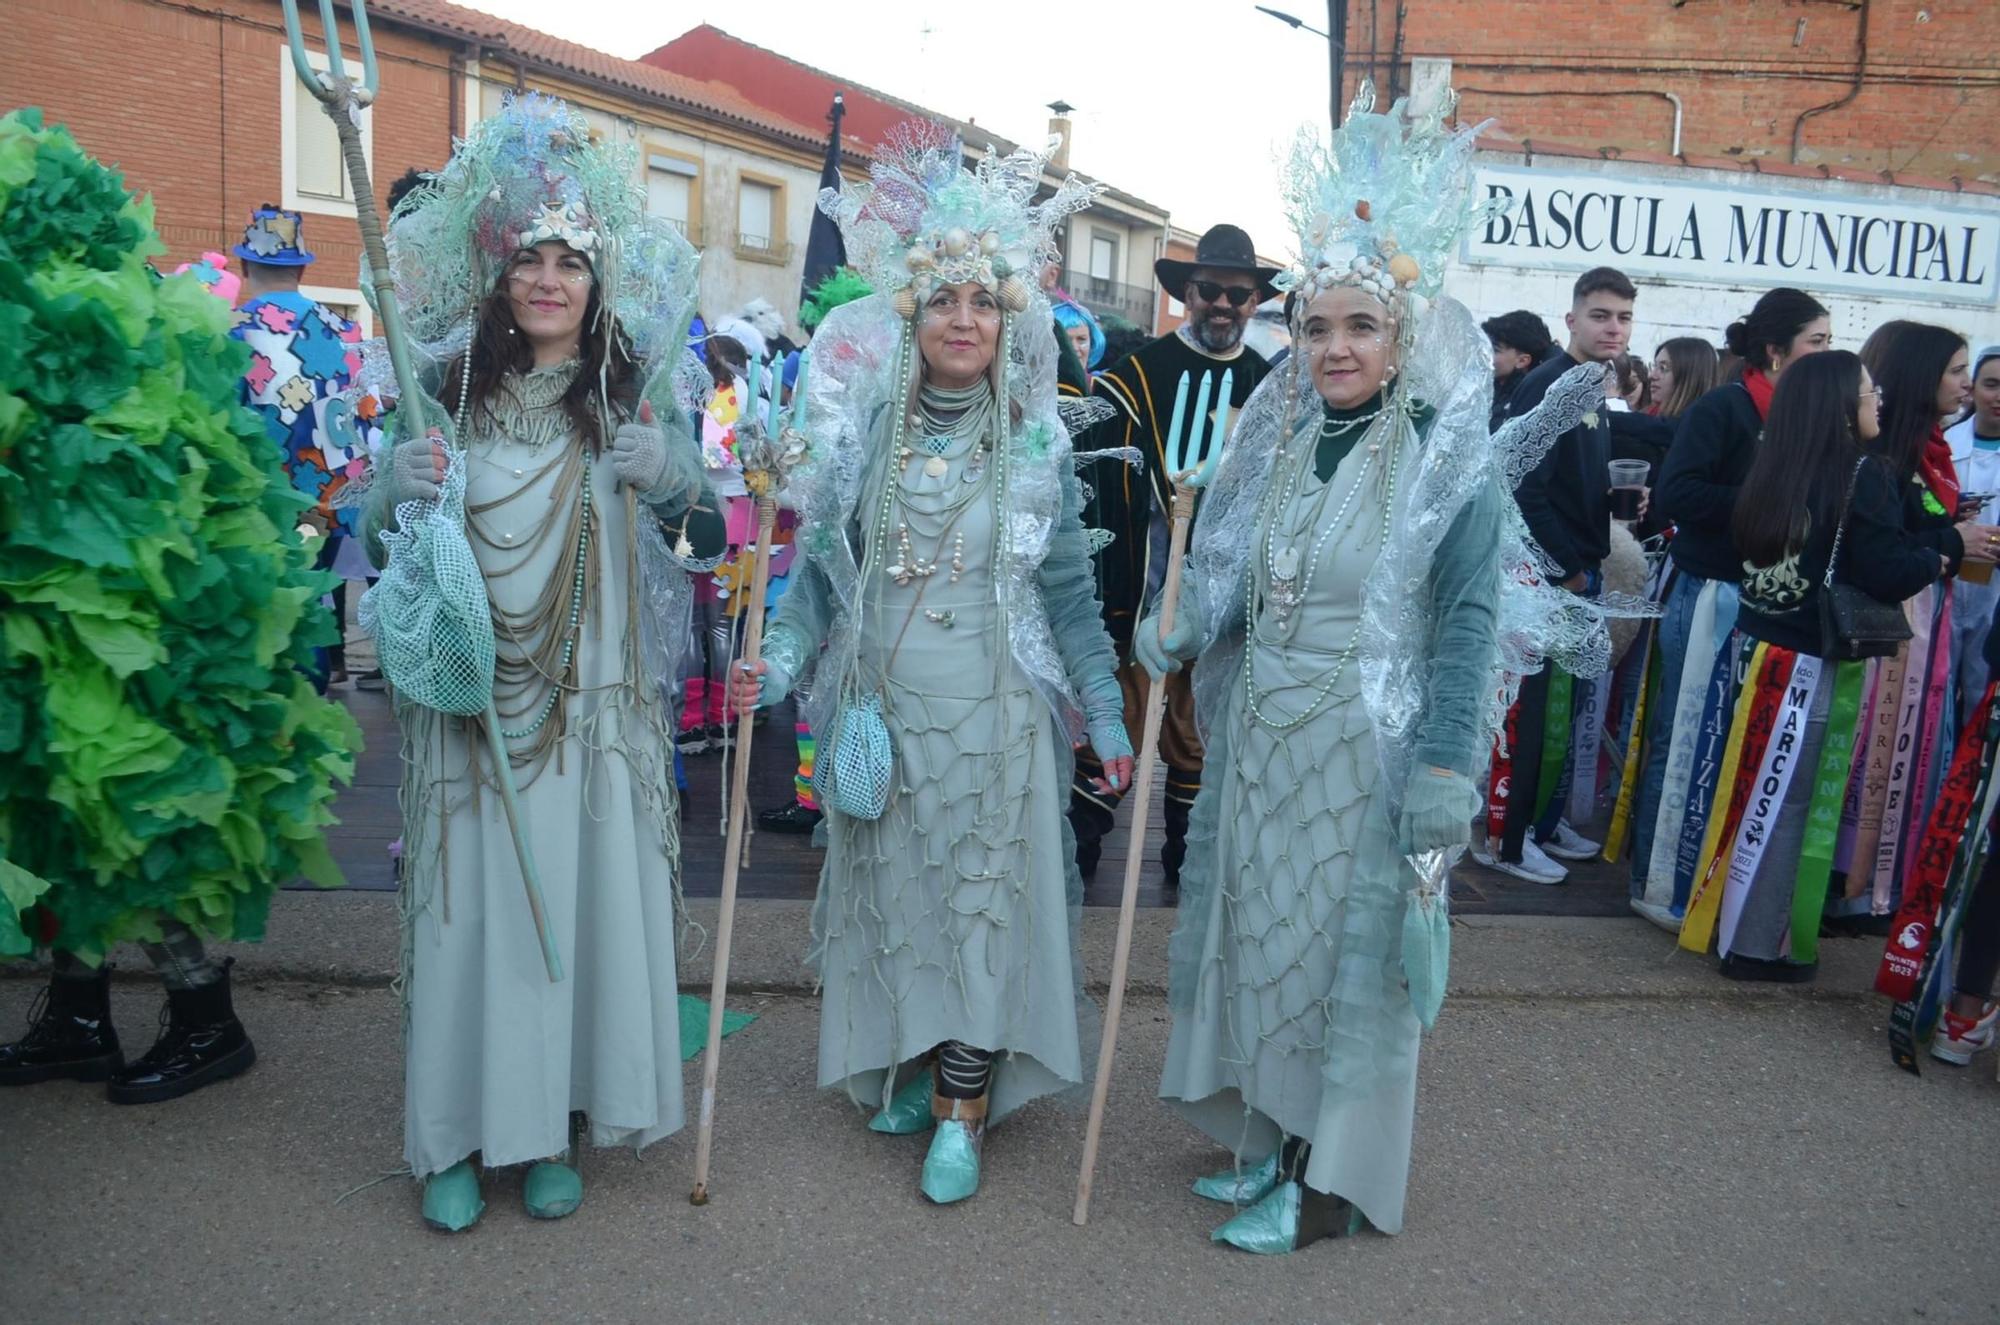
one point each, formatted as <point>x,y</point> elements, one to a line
<point>1134,303</point>
<point>762,248</point>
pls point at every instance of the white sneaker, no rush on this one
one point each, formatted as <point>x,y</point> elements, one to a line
<point>1958,1039</point>
<point>1533,867</point>
<point>1663,916</point>
<point>1568,844</point>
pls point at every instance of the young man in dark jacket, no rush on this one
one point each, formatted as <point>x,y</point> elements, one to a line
<point>1566,502</point>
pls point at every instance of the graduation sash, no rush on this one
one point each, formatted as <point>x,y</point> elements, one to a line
<point>1823,811</point>
<point>1750,728</point>
<point>1903,774</point>
<point>1875,778</point>
<point>1500,781</point>
<point>1913,1020</point>
<point>1690,704</point>
<point>1933,742</point>
<point>1772,782</point>
<point>1587,741</point>
<point>1635,754</point>
<point>1555,738</point>
<point>1937,855</point>
<point>1850,805</point>
<point>1705,775</point>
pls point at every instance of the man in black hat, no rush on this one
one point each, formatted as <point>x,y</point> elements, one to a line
<point>1221,289</point>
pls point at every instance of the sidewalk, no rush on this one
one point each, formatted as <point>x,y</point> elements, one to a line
<point>1606,1133</point>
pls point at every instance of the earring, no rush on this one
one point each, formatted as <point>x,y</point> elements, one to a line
<point>1389,373</point>
<point>510,331</point>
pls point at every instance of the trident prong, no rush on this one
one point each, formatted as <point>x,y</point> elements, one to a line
<point>1182,445</point>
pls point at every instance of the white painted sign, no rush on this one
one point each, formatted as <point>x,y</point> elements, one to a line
<point>1736,236</point>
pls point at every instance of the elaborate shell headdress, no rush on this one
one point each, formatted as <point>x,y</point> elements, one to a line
<point>1383,206</point>
<point>921,219</point>
<point>528,174</point>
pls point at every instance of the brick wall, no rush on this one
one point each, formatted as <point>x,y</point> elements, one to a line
<point>171,95</point>
<point>1744,70</point>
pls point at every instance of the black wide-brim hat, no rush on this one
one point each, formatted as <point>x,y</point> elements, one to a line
<point>1225,247</point>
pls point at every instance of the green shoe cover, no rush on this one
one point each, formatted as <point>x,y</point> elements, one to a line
<point>552,1190</point>
<point>909,1110</point>
<point>1240,1186</point>
<point>1269,1228</point>
<point>951,1169</point>
<point>452,1202</point>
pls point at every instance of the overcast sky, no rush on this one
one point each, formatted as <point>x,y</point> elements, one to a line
<point>1185,104</point>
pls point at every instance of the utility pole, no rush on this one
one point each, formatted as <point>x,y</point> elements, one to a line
<point>1336,55</point>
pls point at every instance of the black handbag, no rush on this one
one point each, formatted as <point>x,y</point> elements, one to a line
<point>1854,624</point>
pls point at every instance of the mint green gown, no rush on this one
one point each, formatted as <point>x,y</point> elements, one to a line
<point>1300,1022</point>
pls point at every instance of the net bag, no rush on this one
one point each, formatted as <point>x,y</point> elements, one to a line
<point>428,613</point>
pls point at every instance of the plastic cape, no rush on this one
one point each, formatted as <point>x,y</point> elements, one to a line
<point>161,750</point>
<point>1436,692</point>
<point>863,369</point>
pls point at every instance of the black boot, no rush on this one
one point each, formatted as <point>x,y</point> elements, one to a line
<point>1174,850</point>
<point>200,1043</point>
<point>69,1035</point>
<point>1089,821</point>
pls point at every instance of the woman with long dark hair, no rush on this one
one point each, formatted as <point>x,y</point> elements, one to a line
<point>1811,500</point>
<point>567,486</point>
<point>1697,485</point>
<point>1684,370</point>
<point>1921,372</point>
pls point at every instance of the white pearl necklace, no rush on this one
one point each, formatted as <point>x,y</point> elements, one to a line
<point>1324,690</point>
<point>1283,564</point>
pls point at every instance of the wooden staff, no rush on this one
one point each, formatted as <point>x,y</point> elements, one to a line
<point>767,455</point>
<point>1188,480</point>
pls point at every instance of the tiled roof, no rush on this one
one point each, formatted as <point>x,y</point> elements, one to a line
<point>894,108</point>
<point>508,38</point>
<point>1494,141</point>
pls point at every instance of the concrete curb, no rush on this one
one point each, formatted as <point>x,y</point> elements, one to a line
<point>352,940</point>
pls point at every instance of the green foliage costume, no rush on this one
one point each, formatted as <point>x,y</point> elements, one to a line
<point>162,755</point>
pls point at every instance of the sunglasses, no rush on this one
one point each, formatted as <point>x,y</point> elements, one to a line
<point>1212,291</point>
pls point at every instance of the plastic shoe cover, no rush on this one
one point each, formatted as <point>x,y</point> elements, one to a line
<point>1269,1228</point>
<point>552,1190</point>
<point>909,1110</point>
<point>1240,1186</point>
<point>951,1169</point>
<point>452,1202</point>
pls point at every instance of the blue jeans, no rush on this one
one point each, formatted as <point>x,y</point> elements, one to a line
<point>1675,625</point>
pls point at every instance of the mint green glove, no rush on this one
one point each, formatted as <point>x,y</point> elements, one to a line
<point>1160,656</point>
<point>1438,806</point>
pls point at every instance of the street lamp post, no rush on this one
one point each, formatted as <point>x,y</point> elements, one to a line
<point>1336,47</point>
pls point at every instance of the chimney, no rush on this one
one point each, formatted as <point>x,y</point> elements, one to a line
<point>1059,128</point>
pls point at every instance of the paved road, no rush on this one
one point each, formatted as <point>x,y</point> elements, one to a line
<point>1686,1153</point>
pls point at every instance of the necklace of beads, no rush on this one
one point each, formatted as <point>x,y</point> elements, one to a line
<point>558,682</point>
<point>1324,690</point>
<point>1286,592</point>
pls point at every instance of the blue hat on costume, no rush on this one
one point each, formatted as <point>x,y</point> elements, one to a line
<point>273,238</point>
<point>1071,314</point>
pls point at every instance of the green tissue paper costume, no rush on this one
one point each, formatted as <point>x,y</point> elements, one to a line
<point>162,754</point>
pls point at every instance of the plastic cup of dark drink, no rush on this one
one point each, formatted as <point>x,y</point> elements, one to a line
<point>1628,488</point>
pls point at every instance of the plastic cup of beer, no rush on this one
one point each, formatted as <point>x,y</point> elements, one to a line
<point>1628,488</point>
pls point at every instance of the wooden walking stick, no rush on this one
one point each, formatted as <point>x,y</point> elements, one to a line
<point>343,100</point>
<point>1188,481</point>
<point>768,454</point>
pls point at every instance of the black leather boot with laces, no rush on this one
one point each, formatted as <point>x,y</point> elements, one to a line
<point>70,1037</point>
<point>201,1042</point>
